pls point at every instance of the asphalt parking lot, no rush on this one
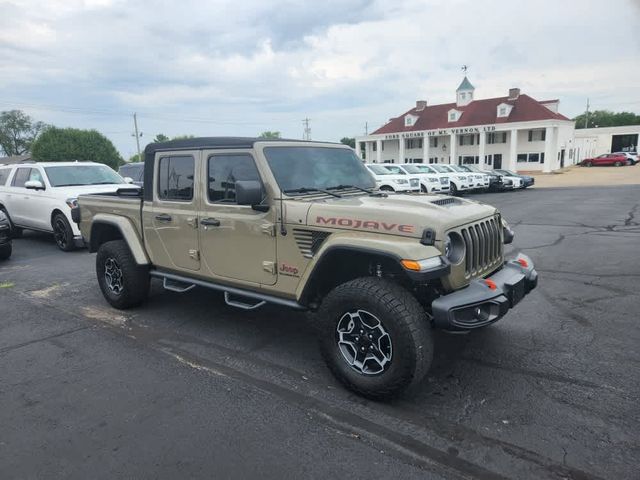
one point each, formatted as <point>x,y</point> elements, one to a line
<point>185,387</point>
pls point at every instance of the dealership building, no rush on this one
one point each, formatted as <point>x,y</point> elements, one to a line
<point>515,132</point>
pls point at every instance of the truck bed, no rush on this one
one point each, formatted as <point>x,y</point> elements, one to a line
<point>125,203</point>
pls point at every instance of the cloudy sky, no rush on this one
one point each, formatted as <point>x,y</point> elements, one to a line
<point>245,66</point>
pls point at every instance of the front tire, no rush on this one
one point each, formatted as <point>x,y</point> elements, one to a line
<point>453,190</point>
<point>123,282</point>
<point>375,337</point>
<point>588,164</point>
<point>62,233</point>
<point>617,164</point>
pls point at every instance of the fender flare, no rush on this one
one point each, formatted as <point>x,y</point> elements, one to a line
<point>127,231</point>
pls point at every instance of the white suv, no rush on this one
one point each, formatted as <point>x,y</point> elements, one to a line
<point>40,196</point>
<point>393,181</point>
<point>459,181</point>
<point>430,180</point>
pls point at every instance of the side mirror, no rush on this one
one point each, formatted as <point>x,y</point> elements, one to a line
<point>34,185</point>
<point>249,192</point>
<point>128,180</point>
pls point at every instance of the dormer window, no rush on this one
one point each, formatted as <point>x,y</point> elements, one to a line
<point>454,115</point>
<point>410,120</point>
<point>503,110</point>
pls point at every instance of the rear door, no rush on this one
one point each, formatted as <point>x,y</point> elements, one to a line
<point>237,242</point>
<point>17,197</point>
<point>173,238</point>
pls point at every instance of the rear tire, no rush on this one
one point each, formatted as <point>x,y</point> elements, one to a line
<point>5,251</point>
<point>123,282</point>
<point>16,232</point>
<point>62,233</point>
<point>375,337</point>
<point>588,164</point>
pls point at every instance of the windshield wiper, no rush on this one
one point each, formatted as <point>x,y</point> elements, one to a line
<point>311,190</point>
<point>71,185</point>
<point>340,187</point>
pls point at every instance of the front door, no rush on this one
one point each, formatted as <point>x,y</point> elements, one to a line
<point>173,240</point>
<point>237,242</point>
<point>497,161</point>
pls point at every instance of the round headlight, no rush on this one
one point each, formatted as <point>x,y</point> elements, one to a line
<point>454,248</point>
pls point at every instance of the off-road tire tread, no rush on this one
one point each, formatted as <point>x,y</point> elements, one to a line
<point>5,251</point>
<point>415,328</point>
<point>136,277</point>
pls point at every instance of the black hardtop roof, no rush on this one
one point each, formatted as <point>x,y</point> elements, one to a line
<point>215,142</point>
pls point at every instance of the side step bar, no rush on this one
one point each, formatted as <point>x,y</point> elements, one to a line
<point>178,283</point>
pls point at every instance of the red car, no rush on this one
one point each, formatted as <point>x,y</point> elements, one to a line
<point>615,159</point>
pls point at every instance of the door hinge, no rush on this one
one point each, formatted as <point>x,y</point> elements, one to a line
<point>270,267</point>
<point>195,254</point>
<point>269,229</point>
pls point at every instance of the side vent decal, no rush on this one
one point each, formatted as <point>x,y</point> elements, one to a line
<point>309,241</point>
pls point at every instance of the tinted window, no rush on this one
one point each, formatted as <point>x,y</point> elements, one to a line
<point>175,178</point>
<point>396,170</point>
<point>4,174</point>
<point>379,170</point>
<point>21,177</point>
<point>224,171</point>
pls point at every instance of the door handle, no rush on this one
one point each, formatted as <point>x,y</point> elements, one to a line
<point>210,222</point>
<point>163,217</point>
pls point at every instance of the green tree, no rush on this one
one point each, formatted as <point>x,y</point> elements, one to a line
<point>18,131</point>
<point>134,158</point>
<point>607,118</point>
<point>270,135</point>
<point>348,141</point>
<point>183,137</point>
<point>67,144</point>
<point>161,137</point>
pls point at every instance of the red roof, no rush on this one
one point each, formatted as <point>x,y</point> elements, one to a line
<point>478,112</point>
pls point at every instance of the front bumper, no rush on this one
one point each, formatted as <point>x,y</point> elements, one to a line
<point>485,301</point>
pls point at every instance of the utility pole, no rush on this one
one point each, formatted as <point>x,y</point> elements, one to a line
<point>586,116</point>
<point>137,135</point>
<point>307,129</point>
<point>366,128</point>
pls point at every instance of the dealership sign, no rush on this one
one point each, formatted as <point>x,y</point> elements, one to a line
<point>440,131</point>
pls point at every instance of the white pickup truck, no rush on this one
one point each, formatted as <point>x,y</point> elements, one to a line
<point>40,196</point>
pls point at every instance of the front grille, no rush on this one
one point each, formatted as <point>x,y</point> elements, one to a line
<point>444,180</point>
<point>309,241</point>
<point>483,242</point>
<point>414,182</point>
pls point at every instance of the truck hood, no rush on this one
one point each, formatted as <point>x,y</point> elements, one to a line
<point>73,192</point>
<point>405,215</point>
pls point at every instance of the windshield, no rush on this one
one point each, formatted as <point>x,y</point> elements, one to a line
<point>316,168</point>
<point>396,170</point>
<point>417,169</point>
<point>379,170</point>
<point>505,172</point>
<point>471,168</point>
<point>458,169</point>
<point>74,175</point>
<point>440,168</point>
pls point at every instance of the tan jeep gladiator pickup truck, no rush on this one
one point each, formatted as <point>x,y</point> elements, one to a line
<point>299,224</point>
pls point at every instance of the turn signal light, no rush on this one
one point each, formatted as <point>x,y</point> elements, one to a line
<point>523,262</point>
<point>491,284</point>
<point>410,265</point>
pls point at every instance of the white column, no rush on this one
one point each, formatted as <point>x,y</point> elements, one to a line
<point>513,151</point>
<point>400,150</point>
<point>452,150</point>
<point>550,149</point>
<point>378,151</point>
<point>481,149</point>
<point>358,151</point>
<point>425,149</point>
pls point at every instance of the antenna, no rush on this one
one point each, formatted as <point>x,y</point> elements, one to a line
<point>307,129</point>
<point>464,69</point>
